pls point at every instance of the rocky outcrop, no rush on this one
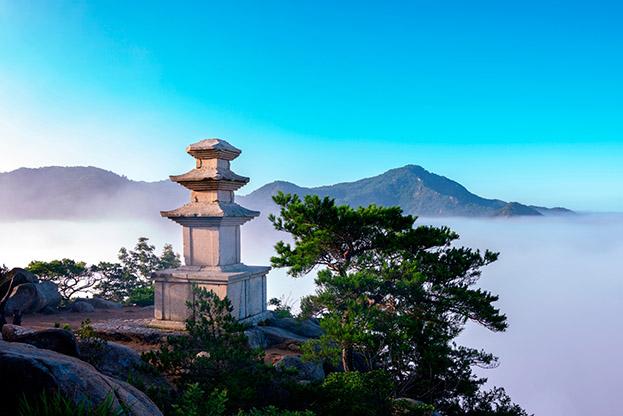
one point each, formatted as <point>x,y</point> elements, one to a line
<point>286,333</point>
<point>306,371</point>
<point>11,332</point>
<point>29,371</point>
<point>278,337</point>
<point>58,340</point>
<point>123,363</point>
<point>99,303</point>
<point>21,292</point>
<point>82,307</point>
<point>32,297</point>
<point>306,328</point>
<point>256,338</point>
<point>132,330</point>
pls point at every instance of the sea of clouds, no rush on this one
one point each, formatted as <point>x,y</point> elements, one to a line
<point>560,282</point>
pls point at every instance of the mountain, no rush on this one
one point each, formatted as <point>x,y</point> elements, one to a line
<point>91,193</point>
<point>411,187</point>
<point>82,193</point>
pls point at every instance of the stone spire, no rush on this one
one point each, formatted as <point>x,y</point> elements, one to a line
<point>211,229</point>
<point>211,219</point>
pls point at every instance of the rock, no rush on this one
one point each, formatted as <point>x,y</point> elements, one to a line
<point>19,276</point>
<point>306,328</point>
<point>59,340</point>
<point>305,370</point>
<point>48,311</point>
<point>20,292</point>
<point>133,330</point>
<point>256,338</point>
<point>278,336</point>
<point>11,332</point>
<point>49,291</point>
<point>82,307</point>
<point>99,303</point>
<point>27,370</point>
<point>121,362</point>
<point>32,297</point>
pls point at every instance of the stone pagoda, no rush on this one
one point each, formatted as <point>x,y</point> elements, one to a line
<point>211,229</point>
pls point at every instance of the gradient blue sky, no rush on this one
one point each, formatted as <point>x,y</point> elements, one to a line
<point>515,100</point>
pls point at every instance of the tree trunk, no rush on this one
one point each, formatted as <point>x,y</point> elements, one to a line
<point>345,359</point>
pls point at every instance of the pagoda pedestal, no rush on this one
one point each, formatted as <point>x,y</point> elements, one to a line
<point>211,229</point>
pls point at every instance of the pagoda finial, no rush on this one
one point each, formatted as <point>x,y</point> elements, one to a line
<point>213,149</point>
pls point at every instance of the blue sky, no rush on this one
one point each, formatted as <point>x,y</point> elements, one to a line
<point>515,100</point>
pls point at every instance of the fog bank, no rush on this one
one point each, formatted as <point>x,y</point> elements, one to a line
<point>559,280</point>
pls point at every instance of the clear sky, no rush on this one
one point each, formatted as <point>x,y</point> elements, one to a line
<point>516,100</point>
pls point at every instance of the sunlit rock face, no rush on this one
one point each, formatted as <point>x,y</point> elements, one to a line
<point>211,233</point>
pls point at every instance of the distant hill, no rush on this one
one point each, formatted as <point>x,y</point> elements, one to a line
<point>411,187</point>
<point>82,193</point>
<point>90,193</point>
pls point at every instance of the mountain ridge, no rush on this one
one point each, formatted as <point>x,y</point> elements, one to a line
<point>412,187</point>
<point>57,192</point>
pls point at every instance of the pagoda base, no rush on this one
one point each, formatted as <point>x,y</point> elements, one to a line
<point>244,286</point>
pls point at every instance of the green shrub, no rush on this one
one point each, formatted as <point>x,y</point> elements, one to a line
<point>141,296</point>
<point>356,393</point>
<point>56,404</point>
<point>215,356</point>
<point>281,308</point>
<point>129,279</point>
<point>193,403</point>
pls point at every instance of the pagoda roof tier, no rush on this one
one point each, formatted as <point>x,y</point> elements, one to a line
<point>210,179</point>
<point>213,213</point>
<point>213,149</point>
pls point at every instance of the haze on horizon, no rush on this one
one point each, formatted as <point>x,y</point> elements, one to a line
<point>516,101</point>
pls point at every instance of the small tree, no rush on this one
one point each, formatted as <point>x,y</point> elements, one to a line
<point>72,277</point>
<point>128,281</point>
<point>215,356</point>
<point>391,296</point>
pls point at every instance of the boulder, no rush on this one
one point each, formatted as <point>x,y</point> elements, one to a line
<point>11,332</point>
<point>310,371</point>
<point>32,297</point>
<point>59,340</point>
<point>48,311</point>
<point>121,362</point>
<point>29,371</point>
<point>306,328</point>
<point>280,337</point>
<point>49,291</point>
<point>256,338</point>
<point>19,276</point>
<point>133,330</point>
<point>99,303</point>
<point>82,307</point>
<point>8,283</point>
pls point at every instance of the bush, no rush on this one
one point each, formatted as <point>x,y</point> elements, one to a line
<point>356,393</point>
<point>128,281</point>
<point>193,403</point>
<point>215,356</point>
<point>141,296</point>
<point>56,404</point>
<point>281,307</point>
